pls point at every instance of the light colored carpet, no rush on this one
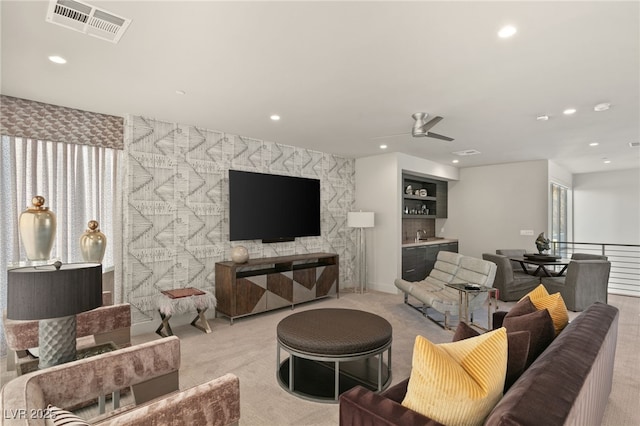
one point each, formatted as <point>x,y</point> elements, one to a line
<point>248,349</point>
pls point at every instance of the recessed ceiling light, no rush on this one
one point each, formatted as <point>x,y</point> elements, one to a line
<point>455,161</point>
<point>542,117</point>
<point>602,107</point>
<point>57,59</point>
<point>594,144</point>
<point>275,117</point>
<point>569,111</point>
<point>383,147</point>
<point>507,31</point>
<point>606,161</point>
<point>180,92</point>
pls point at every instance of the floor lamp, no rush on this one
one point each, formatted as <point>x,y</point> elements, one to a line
<point>361,220</point>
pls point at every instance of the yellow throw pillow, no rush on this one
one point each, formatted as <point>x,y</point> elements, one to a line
<point>458,383</point>
<point>554,303</point>
<point>536,293</point>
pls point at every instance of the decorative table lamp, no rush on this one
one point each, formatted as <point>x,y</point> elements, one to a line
<point>361,220</point>
<point>54,294</point>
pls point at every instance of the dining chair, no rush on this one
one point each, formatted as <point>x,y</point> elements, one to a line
<point>585,283</point>
<point>511,286</point>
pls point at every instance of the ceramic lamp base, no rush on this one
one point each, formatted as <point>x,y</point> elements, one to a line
<point>57,341</point>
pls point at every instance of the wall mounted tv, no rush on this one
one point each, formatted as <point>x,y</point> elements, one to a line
<point>271,207</point>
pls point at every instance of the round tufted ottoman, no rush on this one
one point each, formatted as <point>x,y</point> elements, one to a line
<point>331,351</point>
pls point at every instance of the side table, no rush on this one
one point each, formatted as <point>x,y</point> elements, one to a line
<point>463,303</point>
<point>182,300</point>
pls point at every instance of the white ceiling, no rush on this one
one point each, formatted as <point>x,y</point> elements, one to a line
<point>343,73</point>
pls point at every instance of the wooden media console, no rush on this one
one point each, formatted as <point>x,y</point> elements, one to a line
<point>260,285</point>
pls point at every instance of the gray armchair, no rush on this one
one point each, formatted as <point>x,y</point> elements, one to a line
<point>511,286</point>
<point>588,256</point>
<point>585,283</point>
<point>514,253</point>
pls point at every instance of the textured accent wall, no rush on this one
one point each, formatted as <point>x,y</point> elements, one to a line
<point>175,202</point>
<point>36,120</point>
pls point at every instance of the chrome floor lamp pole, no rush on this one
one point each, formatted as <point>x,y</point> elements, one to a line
<point>362,264</point>
<point>361,220</point>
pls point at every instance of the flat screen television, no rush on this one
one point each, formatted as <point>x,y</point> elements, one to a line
<point>271,207</point>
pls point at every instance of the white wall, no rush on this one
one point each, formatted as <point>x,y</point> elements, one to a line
<point>607,207</point>
<point>489,206</point>
<point>376,188</point>
<point>379,189</point>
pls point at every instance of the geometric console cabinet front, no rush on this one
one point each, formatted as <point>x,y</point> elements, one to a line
<point>268,283</point>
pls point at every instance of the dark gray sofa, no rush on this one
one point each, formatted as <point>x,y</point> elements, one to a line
<point>568,384</point>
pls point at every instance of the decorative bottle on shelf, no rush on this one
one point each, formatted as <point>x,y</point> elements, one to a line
<point>93,243</point>
<point>37,226</point>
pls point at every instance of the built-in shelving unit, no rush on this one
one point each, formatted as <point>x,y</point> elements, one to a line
<point>423,197</point>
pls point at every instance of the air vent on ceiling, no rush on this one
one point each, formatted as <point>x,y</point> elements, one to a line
<point>634,144</point>
<point>87,19</point>
<point>467,152</point>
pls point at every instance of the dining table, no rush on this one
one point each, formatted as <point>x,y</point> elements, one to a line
<point>543,265</point>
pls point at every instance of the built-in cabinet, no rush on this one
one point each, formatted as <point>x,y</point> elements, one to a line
<point>423,201</point>
<point>418,260</point>
<point>423,197</point>
<point>268,283</point>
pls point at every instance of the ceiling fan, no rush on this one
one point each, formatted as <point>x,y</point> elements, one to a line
<point>421,127</point>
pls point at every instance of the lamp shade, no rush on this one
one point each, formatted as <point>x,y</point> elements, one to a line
<point>42,292</point>
<point>360,219</point>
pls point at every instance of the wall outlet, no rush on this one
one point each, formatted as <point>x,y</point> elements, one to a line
<point>526,232</point>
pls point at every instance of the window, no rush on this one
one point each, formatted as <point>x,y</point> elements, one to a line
<point>78,182</point>
<point>559,217</point>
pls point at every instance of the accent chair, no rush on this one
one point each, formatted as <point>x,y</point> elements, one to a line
<point>585,283</point>
<point>511,286</point>
<point>514,253</point>
<point>588,256</point>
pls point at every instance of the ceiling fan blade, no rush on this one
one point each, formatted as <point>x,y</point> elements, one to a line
<point>390,136</point>
<point>437,136</point>
<point>429,124</point>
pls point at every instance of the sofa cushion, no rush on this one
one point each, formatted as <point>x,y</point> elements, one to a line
<point>553,303</point>
<point>517,353</point>
<point>523,307</point>
<point>458,383</point>
<point>464,331</point>
<point>524,317</point>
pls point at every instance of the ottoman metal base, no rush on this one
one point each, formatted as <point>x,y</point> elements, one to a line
<point>323,379</point>
<point>331,351</point>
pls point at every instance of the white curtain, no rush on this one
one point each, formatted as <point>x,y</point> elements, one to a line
<point>79,183</point>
